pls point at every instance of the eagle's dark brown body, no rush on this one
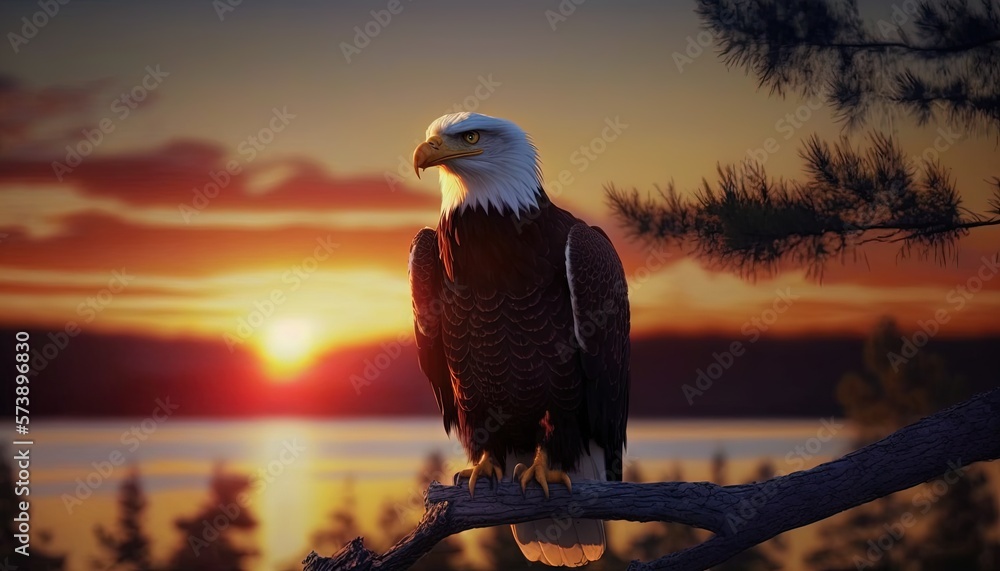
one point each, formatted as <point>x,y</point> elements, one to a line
<point>520,353</point>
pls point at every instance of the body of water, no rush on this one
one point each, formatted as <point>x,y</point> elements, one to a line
<point>301,470</point>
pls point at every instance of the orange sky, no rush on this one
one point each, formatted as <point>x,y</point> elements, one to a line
<point>334,170</point>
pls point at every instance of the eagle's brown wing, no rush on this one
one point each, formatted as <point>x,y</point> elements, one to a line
<point>599,295</point>
<point>426,273</point>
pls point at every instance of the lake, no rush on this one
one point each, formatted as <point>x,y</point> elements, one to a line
<point>304,469</point>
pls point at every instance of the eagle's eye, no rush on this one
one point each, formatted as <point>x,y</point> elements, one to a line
<point>471,137</point>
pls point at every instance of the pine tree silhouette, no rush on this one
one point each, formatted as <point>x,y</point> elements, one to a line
<point>851,541</point>
<point>896,387</point>
<point>964,519</point>
<point>127,547</point>
<point>208,536</point>
<point>343,523</point>
<point>887,395</point>
<point>398,517</point>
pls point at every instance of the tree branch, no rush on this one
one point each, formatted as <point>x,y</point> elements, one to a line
<point>960,46</point>
<point>751,223</point>
<point>739,516</point>
<point>894,229</point>
<point>942,52</point>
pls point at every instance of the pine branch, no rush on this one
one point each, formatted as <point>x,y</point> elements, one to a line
<point>749,223</point>
<point>940,59</point>
<point>739,516</point>
<point>874,46</point>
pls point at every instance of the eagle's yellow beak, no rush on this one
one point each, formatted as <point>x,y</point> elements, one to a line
<point>435,151</point>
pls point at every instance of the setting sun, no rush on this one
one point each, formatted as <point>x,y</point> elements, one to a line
<point>287,347</point>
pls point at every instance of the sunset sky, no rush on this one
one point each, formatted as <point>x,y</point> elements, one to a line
<point>323,203</point>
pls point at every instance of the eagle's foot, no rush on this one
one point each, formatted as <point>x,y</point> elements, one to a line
<point>486,466</point>
<point>541,473</point>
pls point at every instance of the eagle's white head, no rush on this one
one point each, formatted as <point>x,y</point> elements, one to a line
<point>485,162</point>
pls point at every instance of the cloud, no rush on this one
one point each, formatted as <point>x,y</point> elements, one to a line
<point>686,296</point>
<point>348,304</point>
<point>46,211</point>
<point>209,230</point>
<point>186,184</point>
<point>36,123</point>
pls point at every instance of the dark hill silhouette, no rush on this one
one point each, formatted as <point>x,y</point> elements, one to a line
<point>124,375</point>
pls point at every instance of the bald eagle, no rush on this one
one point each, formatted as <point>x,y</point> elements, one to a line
<point>522,326</point>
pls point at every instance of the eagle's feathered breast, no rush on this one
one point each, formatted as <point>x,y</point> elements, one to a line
<point>498,334</point>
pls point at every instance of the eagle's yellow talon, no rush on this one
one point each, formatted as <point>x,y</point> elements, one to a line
<point>540,478</point>
<point>486,466</point>
<point>541,473</point>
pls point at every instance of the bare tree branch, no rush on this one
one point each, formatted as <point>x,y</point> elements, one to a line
<point>739,516</point>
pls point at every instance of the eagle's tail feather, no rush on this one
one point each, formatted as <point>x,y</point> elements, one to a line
<point>568,543</point>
